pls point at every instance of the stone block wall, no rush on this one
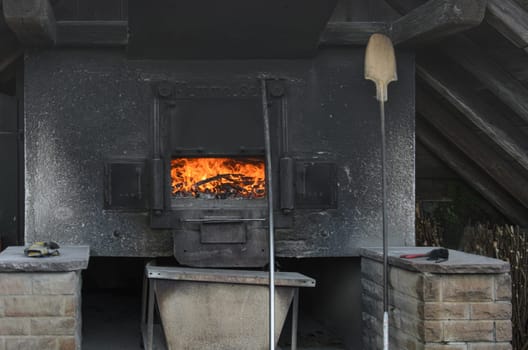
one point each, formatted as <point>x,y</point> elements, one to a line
<point>462,309</point>
<point>40,310</point>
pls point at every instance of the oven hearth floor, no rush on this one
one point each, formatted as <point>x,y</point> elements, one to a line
<point>111,320</point>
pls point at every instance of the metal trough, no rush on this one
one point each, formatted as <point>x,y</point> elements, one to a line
<point>218,309</point>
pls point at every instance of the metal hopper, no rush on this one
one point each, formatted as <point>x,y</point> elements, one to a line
<point>224,309</point>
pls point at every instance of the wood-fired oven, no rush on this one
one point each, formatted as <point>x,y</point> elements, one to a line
<point>102,144</point>
<point>208,169</point>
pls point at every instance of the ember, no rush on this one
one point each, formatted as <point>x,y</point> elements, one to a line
<point>218,178</point>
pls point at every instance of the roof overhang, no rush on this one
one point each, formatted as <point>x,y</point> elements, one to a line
<point>233,29</point>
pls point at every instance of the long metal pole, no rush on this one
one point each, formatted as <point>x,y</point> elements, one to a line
<point>385,238</point>
<point>269,192</point>
<point>380,67</point>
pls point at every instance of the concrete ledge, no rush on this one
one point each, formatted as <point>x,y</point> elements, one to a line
<point>71,258</point>
<point>458,263</point>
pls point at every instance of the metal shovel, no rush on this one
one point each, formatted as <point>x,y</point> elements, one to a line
<point>380,67</point>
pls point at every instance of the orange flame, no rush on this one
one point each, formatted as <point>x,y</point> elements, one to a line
<point>218,177</point>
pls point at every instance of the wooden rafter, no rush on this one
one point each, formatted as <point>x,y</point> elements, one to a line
<point>510,176</point>
<point>9,58</point>
<point>32,21</point>
<point>405,6</point>
<point>506,16</point>
<point>469,55</point>
<point>471,173</point>
<point>489,73</point>
<point>9,46</point>
<point>92,33</point>
<point>510,19</point>
<point>460,95</point>
<point>432,20</point>
<point>351,33</point>
<point>436,19</point>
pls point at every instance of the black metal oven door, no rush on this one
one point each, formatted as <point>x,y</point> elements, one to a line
<point>228,232</point>
<point>221,242</point>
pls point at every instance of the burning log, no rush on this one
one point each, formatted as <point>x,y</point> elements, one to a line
<point>230,177</point>
<point>218,178</point>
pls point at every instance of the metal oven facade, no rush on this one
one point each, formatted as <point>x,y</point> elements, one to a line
<point>103,131</point>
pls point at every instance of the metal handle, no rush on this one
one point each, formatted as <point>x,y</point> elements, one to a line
<point>413,256</point>
<point>138,178</point>
<point>221,220</point>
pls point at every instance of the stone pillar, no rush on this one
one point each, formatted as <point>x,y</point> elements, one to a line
<point>461,304</point>
<point>40,299</point>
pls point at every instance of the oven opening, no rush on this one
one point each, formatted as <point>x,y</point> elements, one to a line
<point>218,178</point>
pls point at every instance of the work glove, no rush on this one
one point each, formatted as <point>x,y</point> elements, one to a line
<point>42,249</point>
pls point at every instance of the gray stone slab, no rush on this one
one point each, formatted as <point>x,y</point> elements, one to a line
<point>458,263</point>
<point>283,279</point>
<point>71,258</point>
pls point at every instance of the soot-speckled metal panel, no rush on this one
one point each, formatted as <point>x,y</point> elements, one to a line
<point>83,107</point>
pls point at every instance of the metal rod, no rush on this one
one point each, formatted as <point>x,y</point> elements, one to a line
<point>144,299</point>
<point>150,316</point>
<point>269,181</point>
<point>157,122</point>
<point>384,233</point>
<point>206,220</point>
<point>295,319</point>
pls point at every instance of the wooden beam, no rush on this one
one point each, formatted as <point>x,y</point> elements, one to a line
<point>468,55</point>
<point>437,19</point>
<point>471,173</point>
<point>506,16</point>
<point>7,59</point>
<point>9,46</point>
<point>92,33</point>
<point>32,21</point>
<point>431,21</point>
<point>405,6</point>
<point>510,19</point>
<point>505,172</point>
<point>494,77</point>
<point>444,80</point>
<point>351,33</point>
